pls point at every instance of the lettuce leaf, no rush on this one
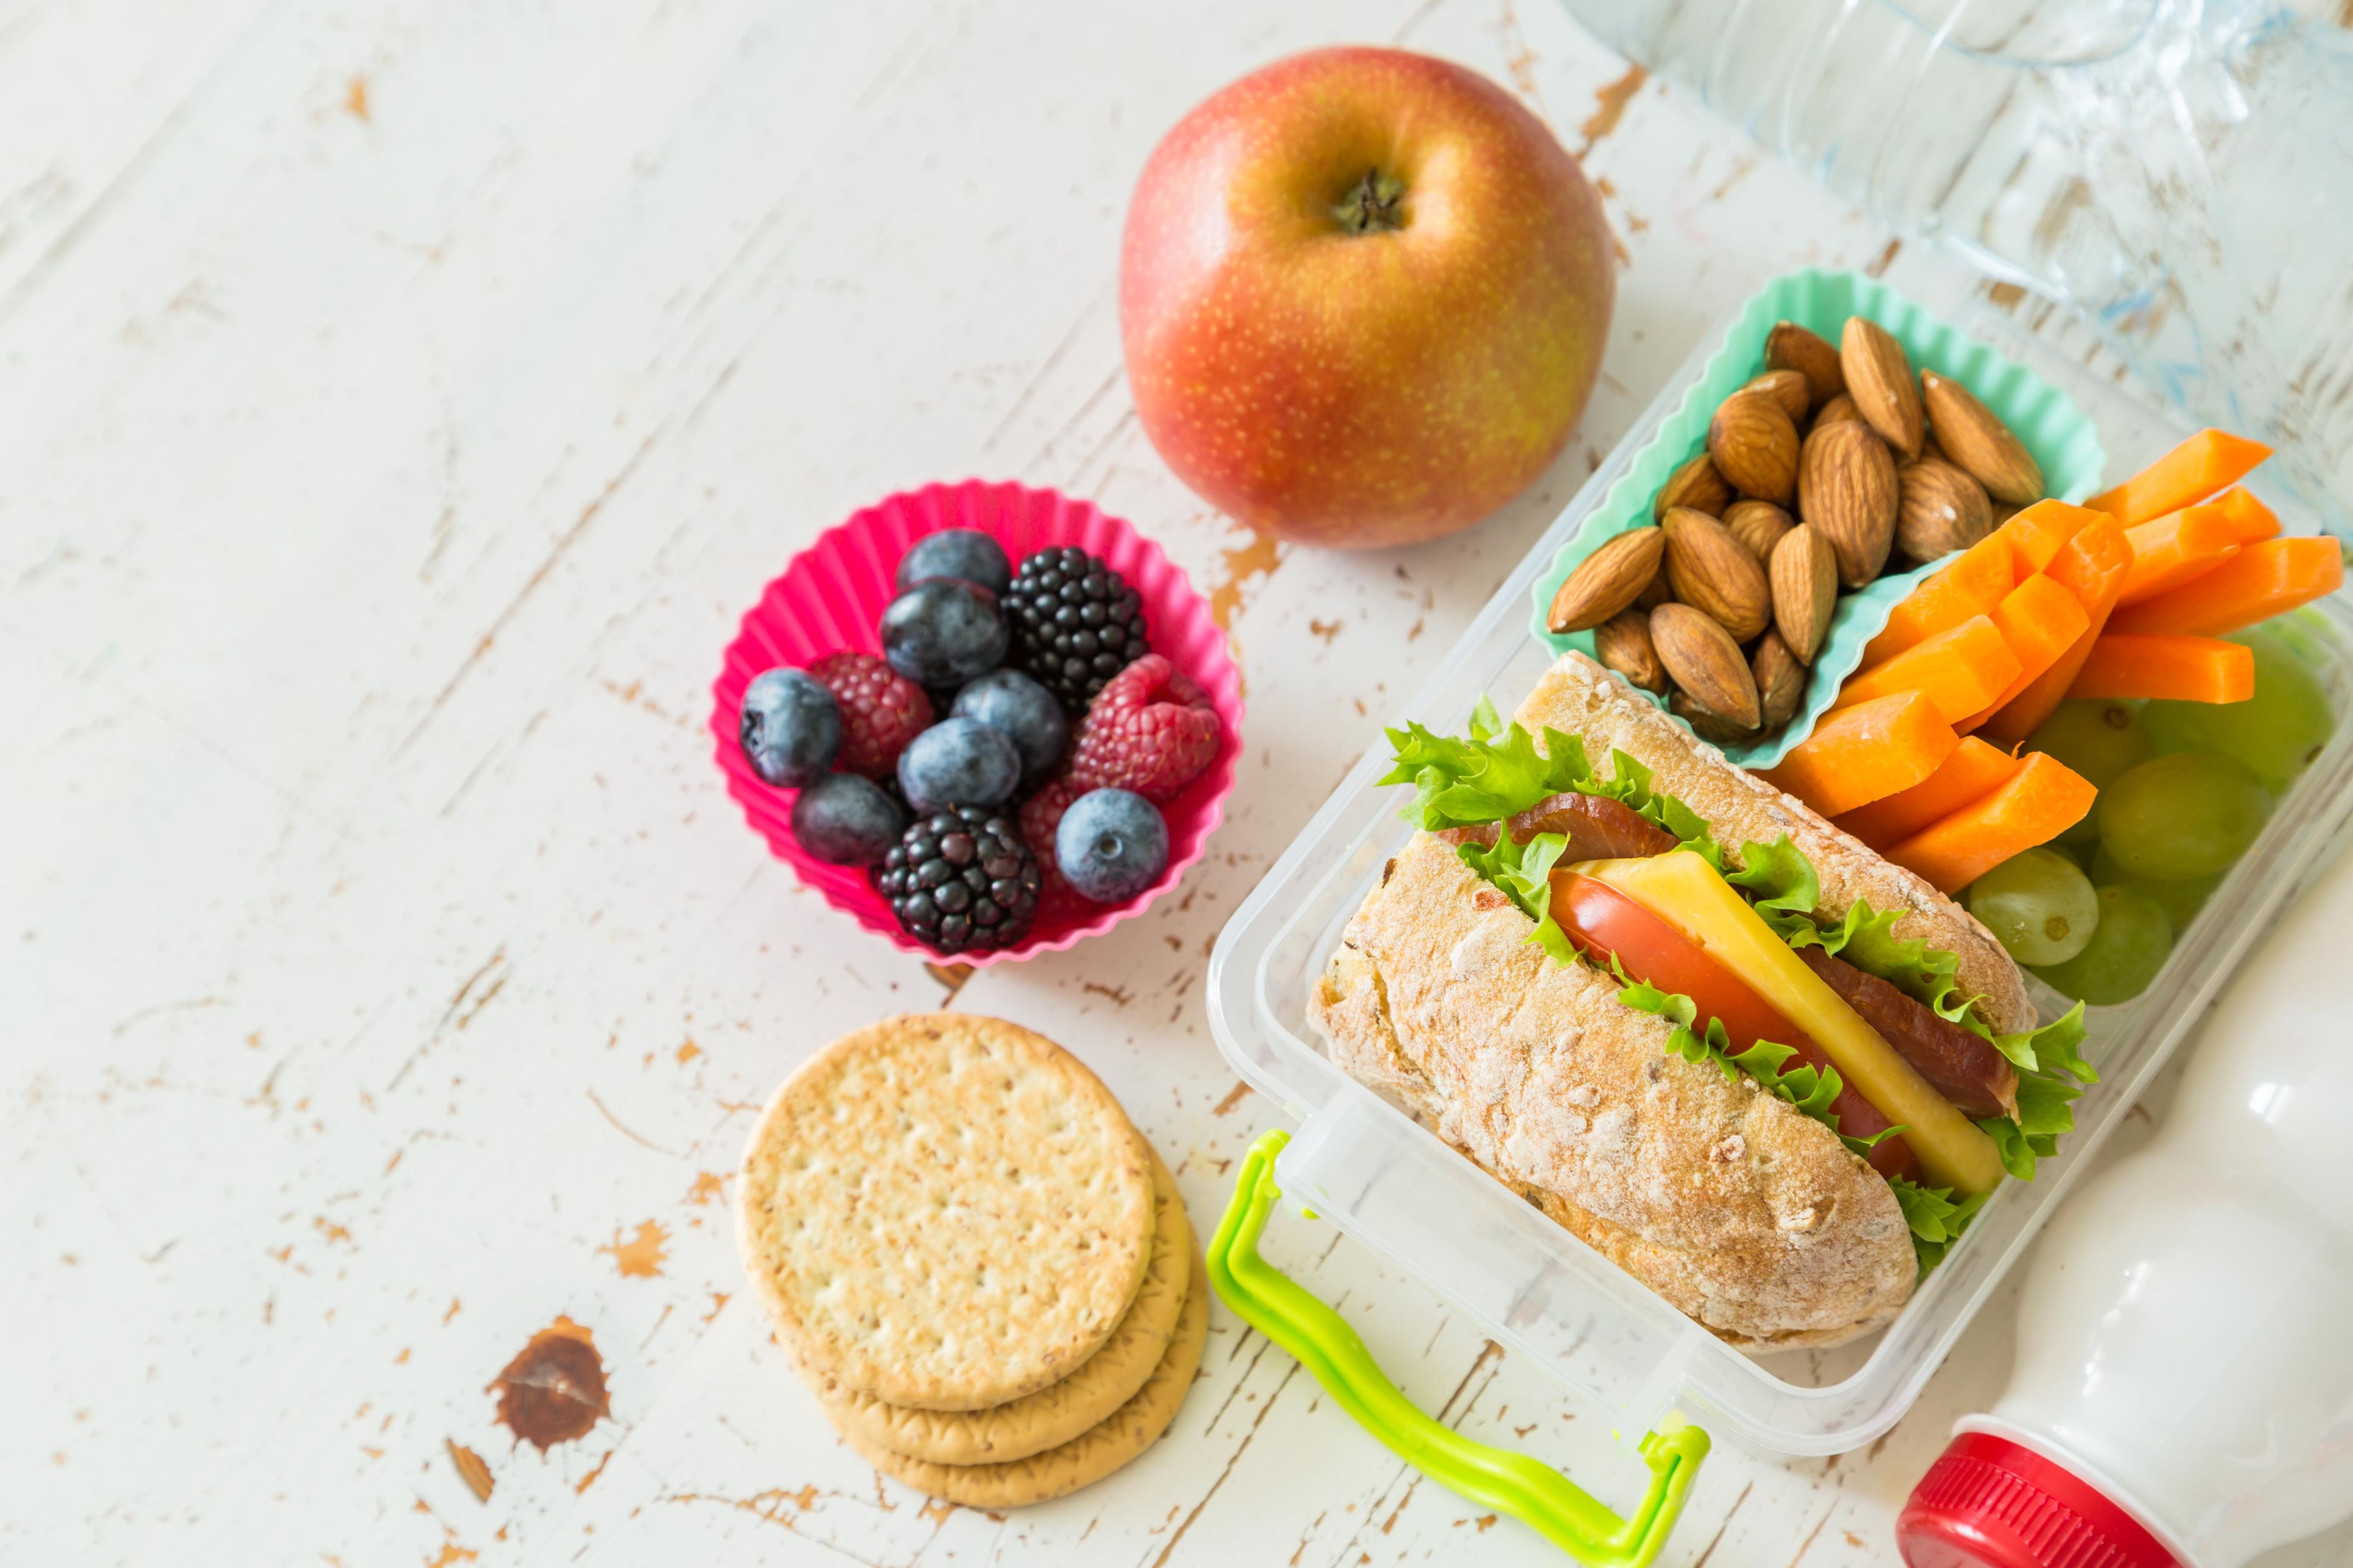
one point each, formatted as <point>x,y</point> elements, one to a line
<point>1808,1090</point>
<point>1936,1221</point>
<point>1498,773</point>
<point>1784,886</point>
<point>2051,1072</point>
<point>1524,872</point>
<point>1462,782</point>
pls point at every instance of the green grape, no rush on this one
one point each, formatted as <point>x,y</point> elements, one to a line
<point>2277,732</point>
<point>2173,727</point>
<point>2039,904</point>
<point>2178,817</point>
<point>2180,900</point>
<point>2124,954</point>
<point>2100,740</point>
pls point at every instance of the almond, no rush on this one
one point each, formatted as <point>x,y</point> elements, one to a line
<point>1847,491</point>
<point>1708,725</point>
<point>1696,485</point>
<point>1788,389</point>
<point>1941,510</point>
<point>1705,662</point>
<point>1755,446</point>
<point>1837,408</point>
<point>1789,346</point>
<point>1880,380</point>
<point>1622,642</point>
<point>1780,680</point>
<point>1659,591</point>
<point>1607,581</point>
<point>1711,571</point>
<point>1758,524</point>
<point>1804,573</point>
<point>1980,444</point>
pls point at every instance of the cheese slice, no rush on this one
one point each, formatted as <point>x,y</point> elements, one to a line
<point>1688,894</point>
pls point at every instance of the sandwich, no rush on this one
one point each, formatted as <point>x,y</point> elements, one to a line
<point>1760,1069</point>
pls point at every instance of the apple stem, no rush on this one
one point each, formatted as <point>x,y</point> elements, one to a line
<point>1374,204</point>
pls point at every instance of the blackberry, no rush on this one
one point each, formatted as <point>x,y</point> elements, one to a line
<point>1076,623</point>
<point>962,881</point>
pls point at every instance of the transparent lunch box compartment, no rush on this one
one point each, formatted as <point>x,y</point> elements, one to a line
<point>1393,1185</point>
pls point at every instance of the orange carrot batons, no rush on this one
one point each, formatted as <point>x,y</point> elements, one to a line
<point>2163,664</point>
<point>1972,584</point>
<point>2040,621</point>
<point>1962,670</point>
<point>2036,805</point>
<point>2171,549</point>
<point>2260,581</point>
<point>1972,772</point>
<point>2092,566</point>
<point>1866,753</point>
<point>2195,469</point>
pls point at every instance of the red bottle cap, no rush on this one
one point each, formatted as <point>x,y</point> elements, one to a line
<point>1988,1503</point>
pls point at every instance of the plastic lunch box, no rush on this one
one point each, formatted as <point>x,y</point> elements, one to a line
<point>1362,1163</point>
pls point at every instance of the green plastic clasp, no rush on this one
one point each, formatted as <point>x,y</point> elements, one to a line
<point>1533,1493</point>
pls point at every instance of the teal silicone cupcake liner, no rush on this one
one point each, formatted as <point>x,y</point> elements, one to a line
<point>2064,443</point>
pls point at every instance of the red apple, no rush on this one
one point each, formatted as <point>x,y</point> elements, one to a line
<point>1364,295</point>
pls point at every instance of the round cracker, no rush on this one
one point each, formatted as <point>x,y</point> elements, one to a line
<point>1060,1411</point>
<point>945,1211</point>
<point>1086,1459</point>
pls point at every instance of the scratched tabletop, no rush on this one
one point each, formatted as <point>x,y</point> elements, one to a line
<point>400,402</point>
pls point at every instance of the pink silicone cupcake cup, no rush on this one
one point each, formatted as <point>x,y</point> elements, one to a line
<point>831,597</point>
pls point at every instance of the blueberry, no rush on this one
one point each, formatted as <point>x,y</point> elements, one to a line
<point>790,727</point>
<point>1009,701</point>
<point>963,553</point>
<point>1112,845</point>
<point>958,762</point>
<point>847,820</point>
<point>943,632</point>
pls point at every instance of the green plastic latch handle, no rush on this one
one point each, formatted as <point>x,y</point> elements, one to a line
<point>1531,1492</point>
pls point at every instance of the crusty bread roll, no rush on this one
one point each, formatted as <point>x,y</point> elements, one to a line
<point>1746,1213</point>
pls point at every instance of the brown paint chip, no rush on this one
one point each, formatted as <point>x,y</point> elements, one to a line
<point>1610,106</point>
<point>639,1257</point>
<point>554,1390</point>
<point>470,1469</point>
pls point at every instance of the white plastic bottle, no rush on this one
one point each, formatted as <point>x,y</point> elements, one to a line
<point>2183,1391</point>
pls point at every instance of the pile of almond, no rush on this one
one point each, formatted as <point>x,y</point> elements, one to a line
<point>1818,473</point>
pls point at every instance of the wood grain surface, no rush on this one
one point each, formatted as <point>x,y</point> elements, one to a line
<point>399,401</point>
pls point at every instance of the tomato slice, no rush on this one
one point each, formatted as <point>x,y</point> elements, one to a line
<point>1604,923</point>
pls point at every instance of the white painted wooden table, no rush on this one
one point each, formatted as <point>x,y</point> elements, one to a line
<point>398,403</point>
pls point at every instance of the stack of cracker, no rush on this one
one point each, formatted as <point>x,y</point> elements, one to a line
<point>981,1269</point>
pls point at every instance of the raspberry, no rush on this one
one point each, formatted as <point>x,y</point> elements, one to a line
<point>882,711</point>
<point>1041,813</point>
<point>1152,730</point>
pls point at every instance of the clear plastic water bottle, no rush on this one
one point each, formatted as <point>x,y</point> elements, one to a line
<point>2181,172</point>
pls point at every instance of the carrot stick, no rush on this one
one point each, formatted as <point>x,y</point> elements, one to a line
<point>2169,550</point>
<point>2092,566</point>
<point>2162,664</point>
<point>2040,621</point>
<point>2036,805</point>
<point>2260,581</point>
<point>1866,753</point>
<point>1962,670</point>
<point>2250,519</point>
<point>1971,773</point>
<point>2037,534</point>
<point>2190,473</point>
<point>1971,585</point>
